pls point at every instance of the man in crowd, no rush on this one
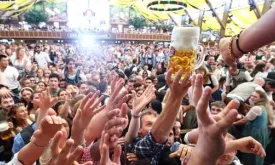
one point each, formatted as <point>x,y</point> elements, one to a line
<point>9,74</point>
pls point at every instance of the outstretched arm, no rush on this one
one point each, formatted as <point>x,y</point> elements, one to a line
<point>167,118</point>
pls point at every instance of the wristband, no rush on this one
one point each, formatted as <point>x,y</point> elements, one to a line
<point>238,44</point>
<point>135,116</point>
<point>232,55</point>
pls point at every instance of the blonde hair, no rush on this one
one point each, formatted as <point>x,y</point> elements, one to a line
<point>266,104</point>
<point>206,73</point>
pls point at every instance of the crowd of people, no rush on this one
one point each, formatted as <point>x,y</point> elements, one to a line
<point>120,104</point>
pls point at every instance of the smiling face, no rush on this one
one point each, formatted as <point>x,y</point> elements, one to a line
<point>21,113</point>
<point>255,98</point>
<point>26,95</point>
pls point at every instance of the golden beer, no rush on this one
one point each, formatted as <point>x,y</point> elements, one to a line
<point>5,132</point>
<point>183,50</point>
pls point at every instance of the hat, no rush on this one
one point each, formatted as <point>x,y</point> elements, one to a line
<point>270,77</point>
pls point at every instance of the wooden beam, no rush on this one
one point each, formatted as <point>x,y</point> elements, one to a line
<point>187,13</point>
<point>225,16</point>
<point>201,16</point>
<point>256,10</point>
<point>215,13</point>
<point>267,6</point>
<point>173,20</point>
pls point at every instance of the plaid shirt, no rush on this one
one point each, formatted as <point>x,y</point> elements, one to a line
<point>87,156</point>
<point>146,148</point>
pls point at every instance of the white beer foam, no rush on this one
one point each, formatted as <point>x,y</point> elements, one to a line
<point>185,38</point>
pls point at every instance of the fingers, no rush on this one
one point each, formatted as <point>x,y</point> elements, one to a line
<point>114,123</point>
<point>84,101</point>
<point>173,155</point>
<point>104,156</point>
<point>120,96</point>
<point>202,108</point>
<point>91,101</point>
<point>99,109</point>
<point>117,153</point>
<point>55,143</point>
<point>113,113</point>
<point>178,76</point>
<point>65,151</point>
<point>132,157</point>
<point>169,76</point>
<point>48,92</point>
<point>233,104</point>
<point>197,88</point>
<point>186,80</point>
<point>134,94</point>
<point>227,121</point>
<point>76,154</point>
<point>123,111</point>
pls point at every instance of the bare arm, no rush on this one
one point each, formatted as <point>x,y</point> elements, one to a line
<point>165,121</point>
<point>261,31</point>
<point>257,35</point>
<point>138,104</point>
<point>49,126</point>
<point>243,121</point>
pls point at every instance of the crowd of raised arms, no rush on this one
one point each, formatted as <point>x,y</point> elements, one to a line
<point>119,104</point>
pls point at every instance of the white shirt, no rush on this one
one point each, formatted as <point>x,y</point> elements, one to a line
<point>15,160</point>
<point>42,59</point>
<point>10,76</point>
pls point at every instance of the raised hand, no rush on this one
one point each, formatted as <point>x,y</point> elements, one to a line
<point>114,126</point>
<point>223,46</point>
<point>65,154</point>
<point>104,151</point>
<point>178,87</point>
<point>49,126</point>
<point>4,92</point>
<point>140,102</point>
<point>87,110</point>
<point>45,100</point>
<point>246,145</point>
<point>211,133</point>
<point>117,97</point>
<point>184,152</point>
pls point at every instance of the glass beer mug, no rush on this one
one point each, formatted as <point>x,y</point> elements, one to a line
<point>5,132</point>
<point>184,48</point>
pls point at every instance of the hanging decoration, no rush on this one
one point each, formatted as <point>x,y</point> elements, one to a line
<point>166,5</point>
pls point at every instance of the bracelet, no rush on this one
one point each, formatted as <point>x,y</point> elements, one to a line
<point>238,44</point>
<point>232,55</point>
<point>135,116</point>
<point>39,145</point>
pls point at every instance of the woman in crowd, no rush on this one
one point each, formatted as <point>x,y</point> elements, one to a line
<point>32,107</point>
<point>20,62</point>
<point>209,80</point>
<point>40,75</point>
<point>256,123</point>
<point>19,117</point>
<point>63,95</point>
<point>41,86</point>
<point>73,75</point>
<point>259,71</point>
<point>26,95</point>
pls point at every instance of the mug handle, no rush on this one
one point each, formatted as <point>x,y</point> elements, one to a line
<point>199,57</point>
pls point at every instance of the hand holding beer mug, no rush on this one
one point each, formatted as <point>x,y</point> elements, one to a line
<point>183,50</point>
